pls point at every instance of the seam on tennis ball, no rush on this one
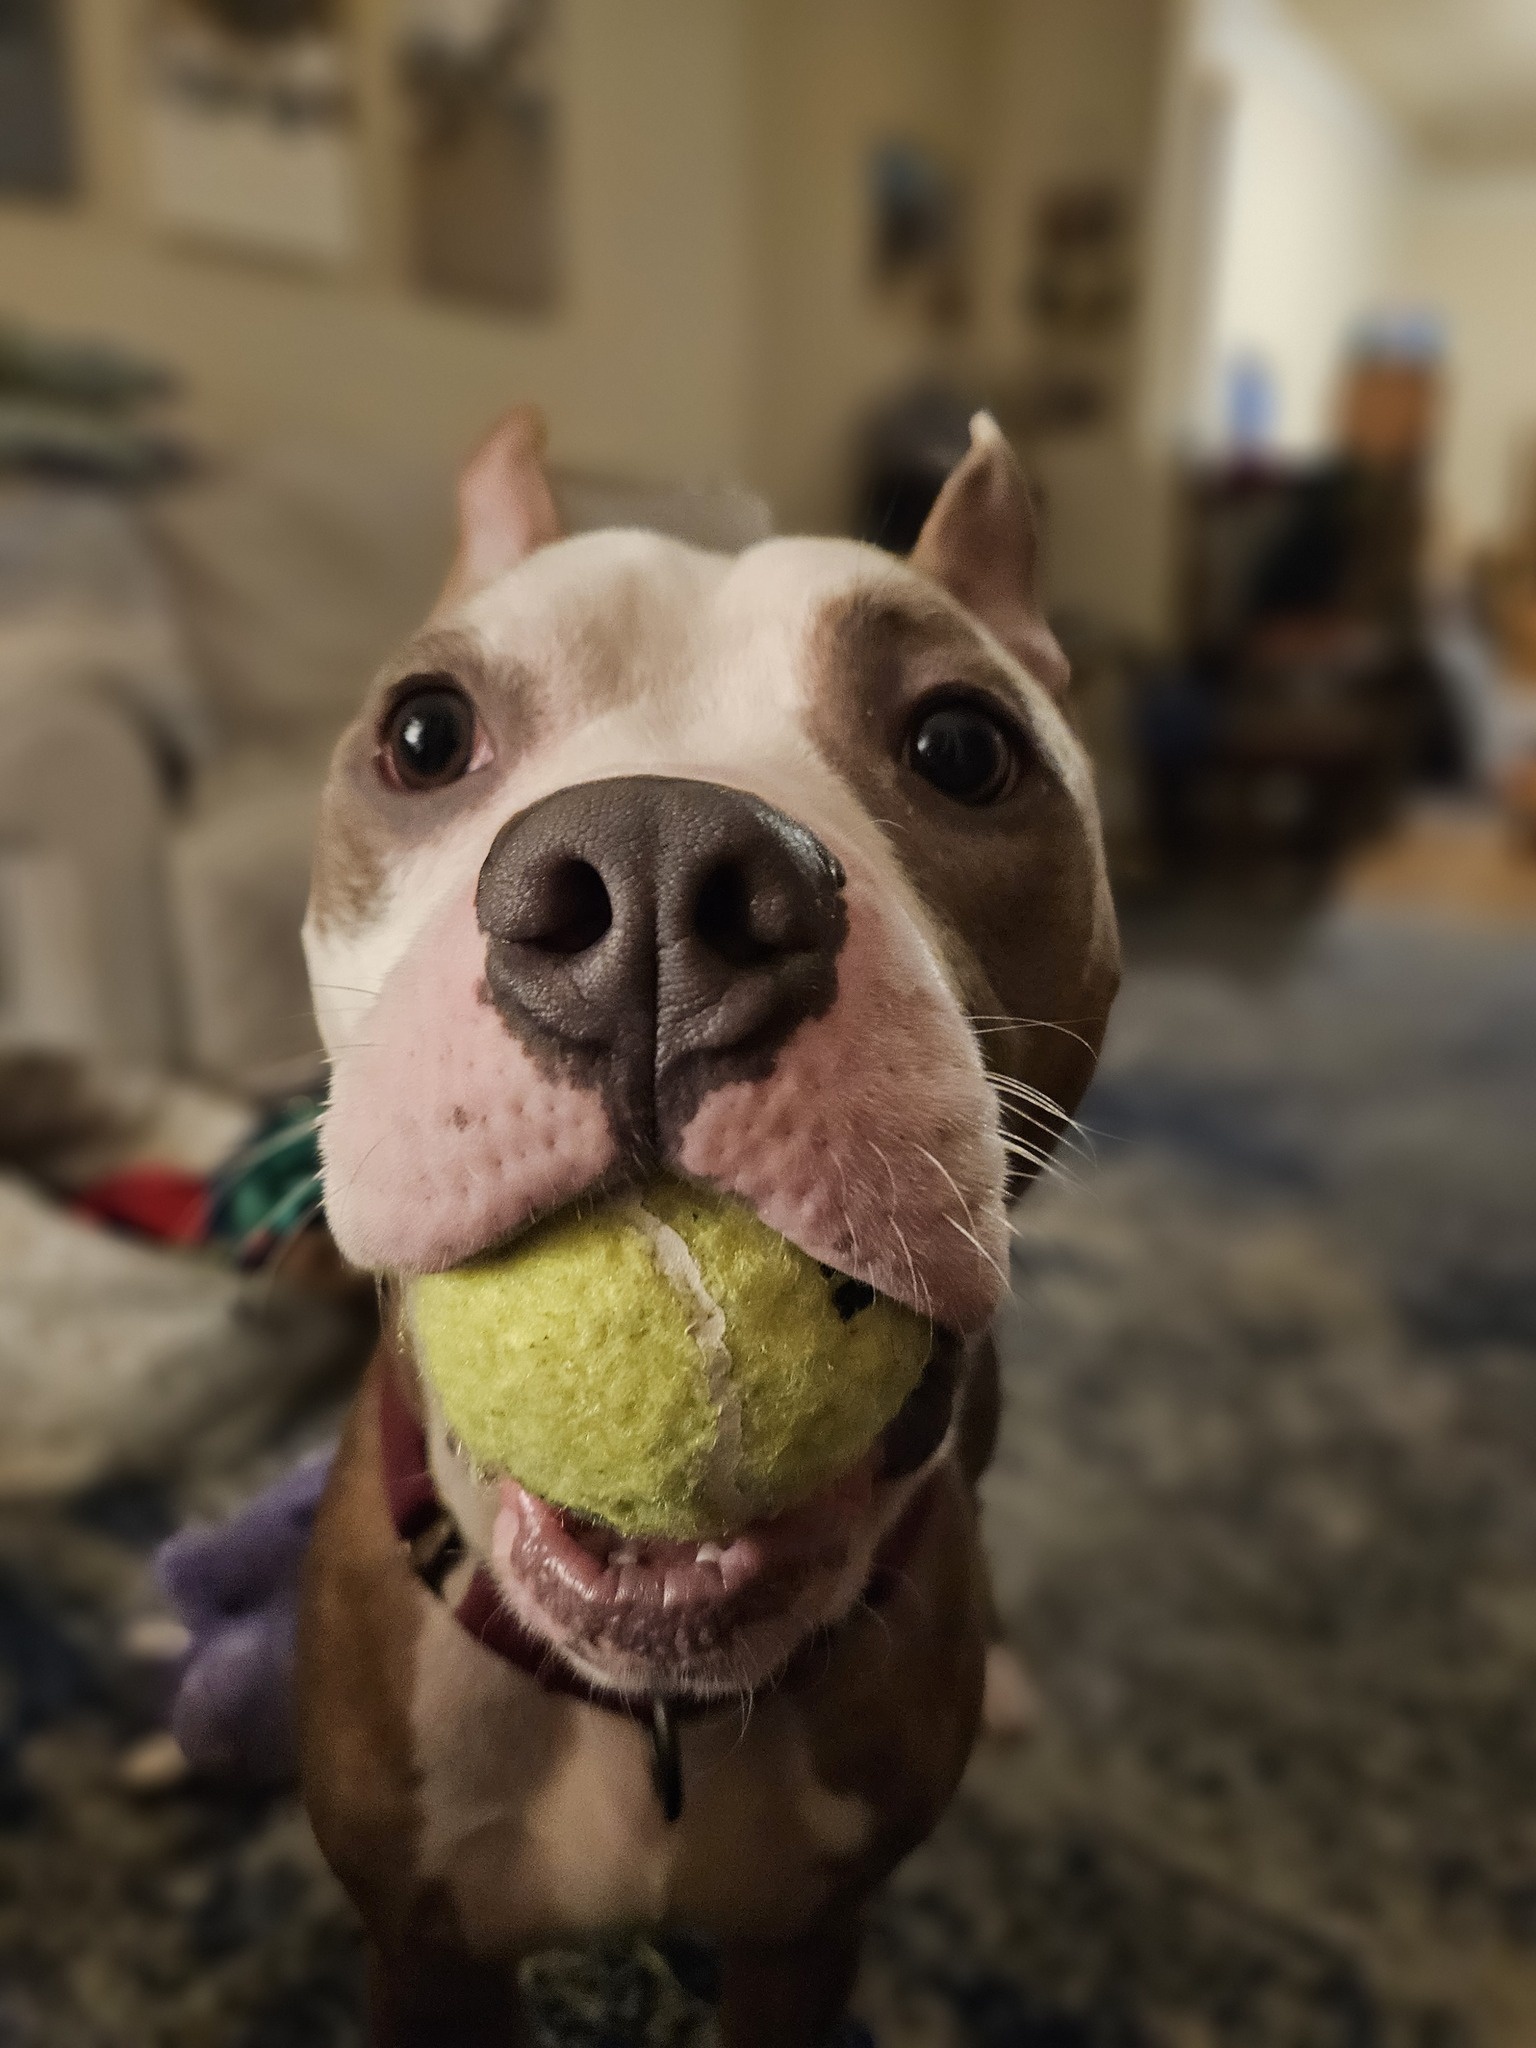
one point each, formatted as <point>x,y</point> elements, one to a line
<point>676,1265</point>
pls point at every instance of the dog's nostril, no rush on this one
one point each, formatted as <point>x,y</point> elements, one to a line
<point>576,910</point>
<point>744,921</point>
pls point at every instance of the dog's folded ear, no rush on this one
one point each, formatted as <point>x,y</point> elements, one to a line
<point>506,506</point>
<point>981,542</point>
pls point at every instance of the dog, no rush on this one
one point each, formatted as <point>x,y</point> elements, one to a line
<point>781,872</point>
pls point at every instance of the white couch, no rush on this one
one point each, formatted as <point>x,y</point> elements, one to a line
<point>172,679</point>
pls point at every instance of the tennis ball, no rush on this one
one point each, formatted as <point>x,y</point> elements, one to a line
<point>668,1364</point>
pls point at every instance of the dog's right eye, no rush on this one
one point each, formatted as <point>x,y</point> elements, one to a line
<point>964,750</point>
<point>429,736</point>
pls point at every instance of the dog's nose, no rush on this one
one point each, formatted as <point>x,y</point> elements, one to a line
<point>669,933</point>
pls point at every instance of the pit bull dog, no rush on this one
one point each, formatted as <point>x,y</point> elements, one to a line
<point>782,873</point>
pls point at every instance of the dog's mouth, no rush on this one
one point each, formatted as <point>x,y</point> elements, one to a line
<point>651,1614</point>
<point>647,1593</point>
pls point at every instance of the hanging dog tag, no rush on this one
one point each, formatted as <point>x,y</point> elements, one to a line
<point>666,1759</point>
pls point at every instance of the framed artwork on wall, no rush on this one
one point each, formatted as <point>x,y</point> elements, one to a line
<point>1078,299</point>
<point>248,126</point>
<point>917,230</point>
<point>482,178</point>
<point>36,142</point>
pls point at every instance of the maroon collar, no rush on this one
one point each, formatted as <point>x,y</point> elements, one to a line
<point>435,1545</point>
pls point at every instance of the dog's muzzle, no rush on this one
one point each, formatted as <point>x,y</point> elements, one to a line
<point>659,936</point>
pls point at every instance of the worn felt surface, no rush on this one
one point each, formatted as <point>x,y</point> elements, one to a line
<point>1264,1517</point>
<point>586,1366</point>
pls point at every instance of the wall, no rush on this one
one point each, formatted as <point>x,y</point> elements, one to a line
<point>1308,236</point>
<point>1071,92</point>
<point>1020,95</point>
<point>1325,214</point>
<point>718,316</point>
<point>643,366</point>
<point>1471,254</point>
<point>829,80</point>
<point>1067,93</point>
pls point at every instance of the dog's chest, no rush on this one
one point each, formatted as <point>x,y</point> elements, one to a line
<point>538,1817</point>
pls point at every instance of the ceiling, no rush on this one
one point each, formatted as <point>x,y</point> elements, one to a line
<point>1459,75</point>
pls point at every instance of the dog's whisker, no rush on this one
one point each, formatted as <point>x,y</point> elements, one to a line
<point>1030,1093</point>
<point>942,1168</point>
<point>264,1148</point>
<point>1051,1137</point>
<point>970,1232</point>
<point>1041,1162</point>
<point>378,1141</point>
<point>1021,1148</point>
<point>972,1239</point>
<point>1014,1084</point>
<point>1051,1120</point>
<point>865,1606</point>
<point>1053,1117</point>
<point>848,1223</point>
<point>985,1027</point>
<point>270,1271</point>
<point>920,1288</point>
<point>288,1238</point>
<point>890,1174</point>
<point>1030,1112</point>
<point>745,1702</point>
<point>1005,1021</point>
<point>281,1205</point>
<point>1049,1145</point>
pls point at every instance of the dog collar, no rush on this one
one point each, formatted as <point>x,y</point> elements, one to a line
<point>434,1545</point>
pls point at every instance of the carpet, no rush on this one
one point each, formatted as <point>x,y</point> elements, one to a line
<point>1264,1529</point>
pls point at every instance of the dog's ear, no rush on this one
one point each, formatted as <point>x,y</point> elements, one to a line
<point>506,507</point>
<point>981,542</point>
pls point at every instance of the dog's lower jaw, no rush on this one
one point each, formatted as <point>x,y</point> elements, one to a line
<point>713,1650</point>
<point>822,1559</point>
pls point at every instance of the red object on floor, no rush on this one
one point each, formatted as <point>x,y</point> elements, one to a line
<point>159,1201</point>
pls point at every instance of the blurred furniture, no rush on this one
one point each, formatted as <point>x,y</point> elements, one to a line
<point>1100,706</point>
<point>1504,583</point>
<point>1305,698</point>
<point>173,674</point>
<point>1308,693</point>
<point>1518,795</point>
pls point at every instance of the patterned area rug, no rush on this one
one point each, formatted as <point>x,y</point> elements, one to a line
<point>1264,1524</point>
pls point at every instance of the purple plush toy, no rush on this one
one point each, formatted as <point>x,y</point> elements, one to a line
<point>236,1587</point>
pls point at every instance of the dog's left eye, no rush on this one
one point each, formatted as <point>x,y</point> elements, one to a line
<point>964,751</point>
<point>429,737</point>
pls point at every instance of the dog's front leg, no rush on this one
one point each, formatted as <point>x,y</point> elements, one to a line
<point>1009,1705</point>
<point>433,1999</point>
<point>775,1994</point>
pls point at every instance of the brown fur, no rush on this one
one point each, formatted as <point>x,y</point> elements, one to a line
<point>1016,894</point>
<point>474,1815</point>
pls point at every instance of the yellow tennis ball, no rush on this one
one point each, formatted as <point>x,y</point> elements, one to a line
<point>668,1364</point>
